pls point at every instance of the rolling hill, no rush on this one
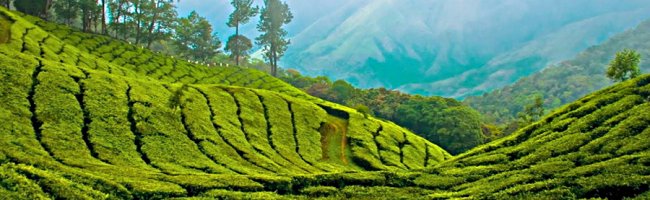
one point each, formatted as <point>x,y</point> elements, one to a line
<point>565,82</point>
<point>595,147</point>
<point>88,117</point>
<point>103,111</point>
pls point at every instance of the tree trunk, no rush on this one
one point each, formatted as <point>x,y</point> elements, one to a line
<point>116,19</point>
<point>153,23</point>
<point>68,21</point>
<point>124,28</point>
<point>274,61</point>
<point>85,22</point>
<point>104,31</point>
<point>138,21</point>
<point>237,44</point>
<point>46,11</point>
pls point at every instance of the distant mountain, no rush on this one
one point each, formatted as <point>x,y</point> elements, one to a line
<point>453,48</point>
<point>564,82</point>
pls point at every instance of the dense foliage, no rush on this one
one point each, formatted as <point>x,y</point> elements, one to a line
<point>194,40</point>
<point>564,83</point>
<point>624,66</point>
<point>239,45</point>
<point>273,17</point>
<point>446,122</point>
<point>33,7</point>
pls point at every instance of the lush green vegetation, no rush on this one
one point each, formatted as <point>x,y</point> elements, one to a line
<point>121,58</point>
<point>239,45</point>
<point>565,82</point>
<point>596,147</point>
<point>88,117</point>
<point>444,121</point>
<point>624,66</point>
<point>92,117</point>
<point>155,24</point>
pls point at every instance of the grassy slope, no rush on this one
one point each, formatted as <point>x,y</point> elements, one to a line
<point>79,127</point>
<point>92,117</point>
<point>598,146</point>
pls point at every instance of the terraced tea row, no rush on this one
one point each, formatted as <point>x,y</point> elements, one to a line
<point>130,131</point>
<point>597,147</point>
<point>69,100</point>
<point>593,148</point>
<point>142,61</point>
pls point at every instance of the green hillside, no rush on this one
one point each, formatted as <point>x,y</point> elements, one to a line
<point>595,147</point>
<point>88,117</point>
<point>565,82</point>
<point>92,117</point>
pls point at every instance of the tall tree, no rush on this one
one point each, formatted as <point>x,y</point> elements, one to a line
<point>240,45</point>
<point>90,13</point>
<point>139,11</point>
<point>160,18</point>
<point>142,21</point>
<point>194,39</point>
<point>67,11</point>
<point>103,5</point>
<point>119,14</point>
<point>624,66</point>
<point>274,15</point>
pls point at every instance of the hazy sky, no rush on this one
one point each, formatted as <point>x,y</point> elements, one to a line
<point>217,12</point>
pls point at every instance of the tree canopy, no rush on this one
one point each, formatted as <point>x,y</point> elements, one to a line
<point>242,14</point>
<point>273,16</point>
<point>239,45</point>
<point>194,38</point>
<point>624,66</point>
<point>532,112</point>
<point>34,7</point>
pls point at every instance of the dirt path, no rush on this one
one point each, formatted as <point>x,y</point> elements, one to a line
<point>334,141</point>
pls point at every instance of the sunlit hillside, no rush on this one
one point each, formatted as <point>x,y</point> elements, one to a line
<point>90,117</point>
<point>86,108</point>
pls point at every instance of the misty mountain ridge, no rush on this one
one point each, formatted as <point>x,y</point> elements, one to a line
<point>453,48</point>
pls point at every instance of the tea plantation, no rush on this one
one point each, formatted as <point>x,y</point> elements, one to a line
<point>88,117</point>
